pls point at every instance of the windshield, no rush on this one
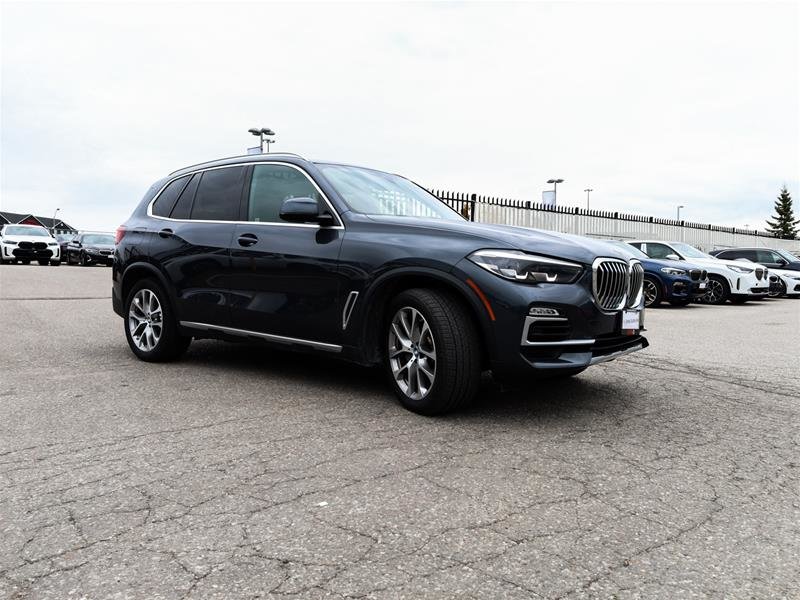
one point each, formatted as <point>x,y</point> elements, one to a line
<point>377,193</point>
<point>787,255</point>
<point>99,239</point>
<point>65,237</point>
<point>35,231</point>
<point>689,251</point>
<point>628,248</point>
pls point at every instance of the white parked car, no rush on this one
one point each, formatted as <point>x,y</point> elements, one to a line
<point>24,243</point>
<point>789,282</point>
<point>727,279</point>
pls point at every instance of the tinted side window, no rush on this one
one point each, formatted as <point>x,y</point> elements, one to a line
<point>659,250</point>
<point>218,195</point>
<point>183,207</point>
<point>165,202</point>
<point>762,256</point>
<point>731,254</point>
<point>271,185</point>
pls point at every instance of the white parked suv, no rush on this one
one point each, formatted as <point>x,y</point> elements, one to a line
<point>727,279</point>
<point>24,243</point>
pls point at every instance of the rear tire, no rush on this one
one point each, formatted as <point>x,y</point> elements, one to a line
<point>718,290</point>
<point>652,292</point>
<point>150,325</point>
<point>431,352</point>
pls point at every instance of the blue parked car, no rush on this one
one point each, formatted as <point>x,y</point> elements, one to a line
<point>675,281</point>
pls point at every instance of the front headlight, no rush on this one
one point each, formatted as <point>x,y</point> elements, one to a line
<point>672,271</point>
<point>740,269</point>
<point>52,243</point>
<point>10,243</point>
<point>527,268</point>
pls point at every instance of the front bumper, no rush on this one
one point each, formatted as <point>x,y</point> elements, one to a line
<point>97,256</point>
<point>581,335</point>
<point>30,251</point>
<point>749,285</point>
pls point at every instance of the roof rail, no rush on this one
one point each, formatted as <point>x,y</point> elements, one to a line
<point>208,162</point>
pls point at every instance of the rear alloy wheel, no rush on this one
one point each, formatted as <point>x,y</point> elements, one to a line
<point>717,292</point>
<point>150,327</point>
<point>652,292</point>
<point>432,352</point>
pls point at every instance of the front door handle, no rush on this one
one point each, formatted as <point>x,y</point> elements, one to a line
<point>165,233</point>
<point>247,239</point>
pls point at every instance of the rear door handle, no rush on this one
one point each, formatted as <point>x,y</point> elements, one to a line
<point>247,239</point>
<point>165,233</point>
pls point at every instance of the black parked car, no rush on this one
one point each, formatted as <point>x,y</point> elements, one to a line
<point>370,267</point>
<point>87,249</point>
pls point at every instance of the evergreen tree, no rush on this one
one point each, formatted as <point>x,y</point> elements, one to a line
<point>783,224</point>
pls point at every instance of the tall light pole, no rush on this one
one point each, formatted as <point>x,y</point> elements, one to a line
<point>555,183</point>
<point>679,211</point>
<point>262,136</point>
<point>54,222</point>
<point>588,191</point>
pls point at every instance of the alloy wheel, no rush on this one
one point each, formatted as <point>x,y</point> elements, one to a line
<point>412,353</point>
<point>650,292</point>
<point>777,293</point>
<point>715,293</point>
<point>145,320</point>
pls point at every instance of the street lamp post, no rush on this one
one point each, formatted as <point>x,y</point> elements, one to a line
<point>555,183</point>
<point>588,191</point>
<point>679,211</point>
<point>54,222</point>
<point>262,136</point>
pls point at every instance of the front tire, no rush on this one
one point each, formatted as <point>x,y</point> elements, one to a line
<point>43,263</point>
<point>718,291</point>
<point>150,326</point>
<point>83,260</point>
<point>432,352</point>
<point>781,291</point>
<point>652,292</point>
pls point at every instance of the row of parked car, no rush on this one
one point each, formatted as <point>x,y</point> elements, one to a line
<point>674,272</point>
<point>679,273</point>
<point>32,243</point>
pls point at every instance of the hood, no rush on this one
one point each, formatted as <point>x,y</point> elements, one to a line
<point>721,261</point>
<point>29,238</point>
<point>100,246</point>
<point>675,264</point>
<point>549,243</point>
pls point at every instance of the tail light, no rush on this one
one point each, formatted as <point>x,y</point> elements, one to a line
<point>120,234</point>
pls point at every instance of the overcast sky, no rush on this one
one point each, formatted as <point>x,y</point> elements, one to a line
<point>651,105</point>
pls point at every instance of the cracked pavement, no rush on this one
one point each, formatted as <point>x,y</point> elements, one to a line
<point>243,472</point>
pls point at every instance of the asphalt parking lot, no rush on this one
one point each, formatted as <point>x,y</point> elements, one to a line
<point>245,472</point>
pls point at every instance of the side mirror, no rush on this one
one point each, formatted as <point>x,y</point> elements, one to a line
<point>672,257</point>
<point>75,243</point>
<point>304,210</point>
<point>782,262</point>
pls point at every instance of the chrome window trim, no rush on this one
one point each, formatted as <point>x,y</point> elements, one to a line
<point>339,225</point>
<point>281,339</point>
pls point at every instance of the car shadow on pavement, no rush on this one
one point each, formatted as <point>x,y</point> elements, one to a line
<point>536,399</point>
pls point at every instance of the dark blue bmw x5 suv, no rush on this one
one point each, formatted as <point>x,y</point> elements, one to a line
<point>370,267</point>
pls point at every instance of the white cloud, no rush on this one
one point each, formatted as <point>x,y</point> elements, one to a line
<point>652,105</point>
